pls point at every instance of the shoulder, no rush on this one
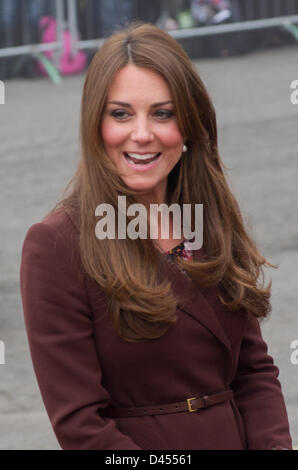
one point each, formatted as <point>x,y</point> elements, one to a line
<point>59,225</point>
<point>61,221</point>
<point>54,239</point>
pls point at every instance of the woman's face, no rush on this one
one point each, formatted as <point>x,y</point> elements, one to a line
<point>140,131</point>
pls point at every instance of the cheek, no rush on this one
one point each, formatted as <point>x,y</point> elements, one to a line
<point>112,135</point>
<point>171,137</point>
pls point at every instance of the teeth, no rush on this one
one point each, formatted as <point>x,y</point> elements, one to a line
<point>141,157</point>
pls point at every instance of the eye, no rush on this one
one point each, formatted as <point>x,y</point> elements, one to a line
<point>119,114</point>
<point>164,114</point>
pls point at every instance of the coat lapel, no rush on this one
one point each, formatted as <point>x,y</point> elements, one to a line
<point>192,301</point>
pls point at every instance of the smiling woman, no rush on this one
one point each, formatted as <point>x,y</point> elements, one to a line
<point>130,337</point>
<point>141,135</point>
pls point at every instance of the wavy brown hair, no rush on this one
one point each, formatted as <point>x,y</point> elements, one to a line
<point>132,272</point>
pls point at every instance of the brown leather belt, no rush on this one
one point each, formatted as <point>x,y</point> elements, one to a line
<point>189,404</point>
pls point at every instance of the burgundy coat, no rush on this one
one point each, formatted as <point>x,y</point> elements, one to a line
<point>82,365</point>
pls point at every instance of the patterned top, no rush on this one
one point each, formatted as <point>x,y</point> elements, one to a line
<point>181,251</point>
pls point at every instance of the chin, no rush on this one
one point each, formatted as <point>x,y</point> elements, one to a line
<point>140,186</point>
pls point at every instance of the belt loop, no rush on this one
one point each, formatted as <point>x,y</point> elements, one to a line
<point>205,400</point>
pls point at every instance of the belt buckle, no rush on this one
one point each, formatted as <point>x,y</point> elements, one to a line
<point>189,404</point>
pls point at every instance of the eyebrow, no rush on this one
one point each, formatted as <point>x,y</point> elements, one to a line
<point>127,105</point>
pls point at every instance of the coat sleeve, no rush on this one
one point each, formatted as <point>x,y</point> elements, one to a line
<point>258,394</point>
<point>59,327</point>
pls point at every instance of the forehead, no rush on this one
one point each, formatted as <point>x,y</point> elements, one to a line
<point>132,82</point>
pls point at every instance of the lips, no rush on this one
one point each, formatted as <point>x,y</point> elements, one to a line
<point>141,159</point>
<point>142,162</point>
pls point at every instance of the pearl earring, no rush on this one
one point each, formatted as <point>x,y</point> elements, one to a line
<point>184,149</point>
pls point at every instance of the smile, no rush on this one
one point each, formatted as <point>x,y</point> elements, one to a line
<point>141,161</point>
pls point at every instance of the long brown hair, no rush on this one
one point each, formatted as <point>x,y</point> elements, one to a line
<point>140,298</point>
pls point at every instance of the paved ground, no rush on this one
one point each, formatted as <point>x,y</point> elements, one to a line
<point>258,141</point>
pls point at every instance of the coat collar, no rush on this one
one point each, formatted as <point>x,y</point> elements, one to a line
<point>197,301</point>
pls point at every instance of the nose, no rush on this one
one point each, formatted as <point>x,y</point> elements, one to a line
<point>142,133</point>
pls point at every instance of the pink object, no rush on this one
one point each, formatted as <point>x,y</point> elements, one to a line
<point>68,64</point>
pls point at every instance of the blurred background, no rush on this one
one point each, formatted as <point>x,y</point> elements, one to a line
<point>246,53</point>
<point>71,30</point>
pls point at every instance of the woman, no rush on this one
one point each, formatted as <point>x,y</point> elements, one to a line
<point>140,343</point>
